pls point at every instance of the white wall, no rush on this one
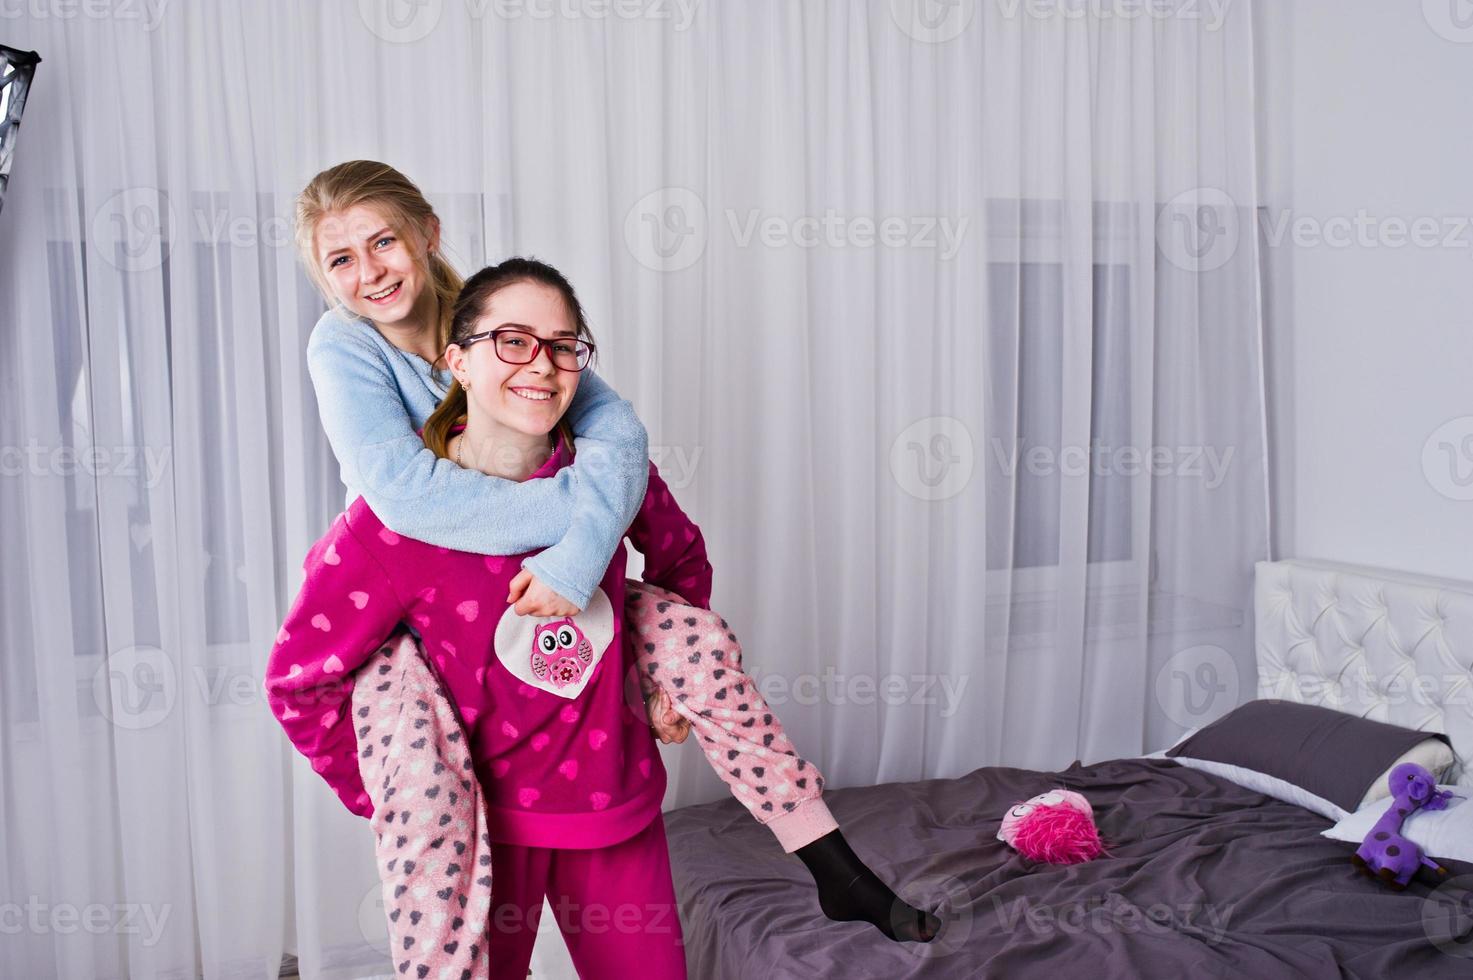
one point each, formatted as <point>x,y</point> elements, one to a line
<point>1367,111</point>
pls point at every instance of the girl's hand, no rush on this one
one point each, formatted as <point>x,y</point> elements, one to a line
<point>532,598</point>
<point>667,723</point>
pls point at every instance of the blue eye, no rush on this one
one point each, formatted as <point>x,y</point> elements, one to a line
<point>334,263</point>
<point>386,238</point>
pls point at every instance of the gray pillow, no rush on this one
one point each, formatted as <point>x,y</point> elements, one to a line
<point>1328,753</point>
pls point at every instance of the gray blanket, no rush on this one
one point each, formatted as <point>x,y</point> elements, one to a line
<point>1204,879</point>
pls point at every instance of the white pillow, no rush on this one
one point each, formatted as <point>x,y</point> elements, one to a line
<point>1161,753</point>
<point>1259,782</point>
<point>1446,834</point>
<point>1432,754</point>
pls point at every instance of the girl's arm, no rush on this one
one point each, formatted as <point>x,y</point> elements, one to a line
<point>673,547</point>
<point>345,611</point>
<point>581,512</point>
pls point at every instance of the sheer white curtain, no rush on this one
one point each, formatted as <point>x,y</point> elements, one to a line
<point>943,319</point>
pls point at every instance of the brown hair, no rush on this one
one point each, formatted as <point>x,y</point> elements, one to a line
<point>411,217</point>
<point>468,309</point>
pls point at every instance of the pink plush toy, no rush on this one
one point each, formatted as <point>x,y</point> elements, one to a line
<point>1057,827</point>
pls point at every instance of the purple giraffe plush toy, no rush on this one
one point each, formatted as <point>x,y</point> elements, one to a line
<point>1385,853</point>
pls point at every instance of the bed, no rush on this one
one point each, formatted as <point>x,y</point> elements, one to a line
<point>1205,878</point>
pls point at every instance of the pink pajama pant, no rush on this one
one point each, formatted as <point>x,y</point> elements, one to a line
<point>442,874</point>
<point>429,818</point>
<point>615,907</point>
<point>693,654</point>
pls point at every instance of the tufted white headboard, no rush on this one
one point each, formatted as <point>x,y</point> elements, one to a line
<point>1385,645</point>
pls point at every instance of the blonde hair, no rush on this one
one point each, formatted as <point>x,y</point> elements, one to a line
<point>411,217</point>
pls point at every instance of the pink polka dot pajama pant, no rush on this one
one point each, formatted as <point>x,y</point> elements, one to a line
<point>694,656</point>
<point>434,854</point>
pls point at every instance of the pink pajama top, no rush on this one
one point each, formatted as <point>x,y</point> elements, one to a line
<point>565,756</point>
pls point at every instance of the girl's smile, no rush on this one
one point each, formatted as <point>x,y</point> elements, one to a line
<point>371,269</point>
<point>511,408</point>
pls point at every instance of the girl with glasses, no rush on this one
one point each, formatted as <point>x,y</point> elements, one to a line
<point>371,242</point>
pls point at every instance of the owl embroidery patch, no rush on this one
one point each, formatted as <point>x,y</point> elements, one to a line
<point>556,655</point>
<point>560,652</point>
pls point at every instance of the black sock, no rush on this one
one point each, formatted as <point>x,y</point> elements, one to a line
<point>849,891</point>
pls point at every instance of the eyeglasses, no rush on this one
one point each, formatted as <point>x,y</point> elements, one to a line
<point>520,347</point>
